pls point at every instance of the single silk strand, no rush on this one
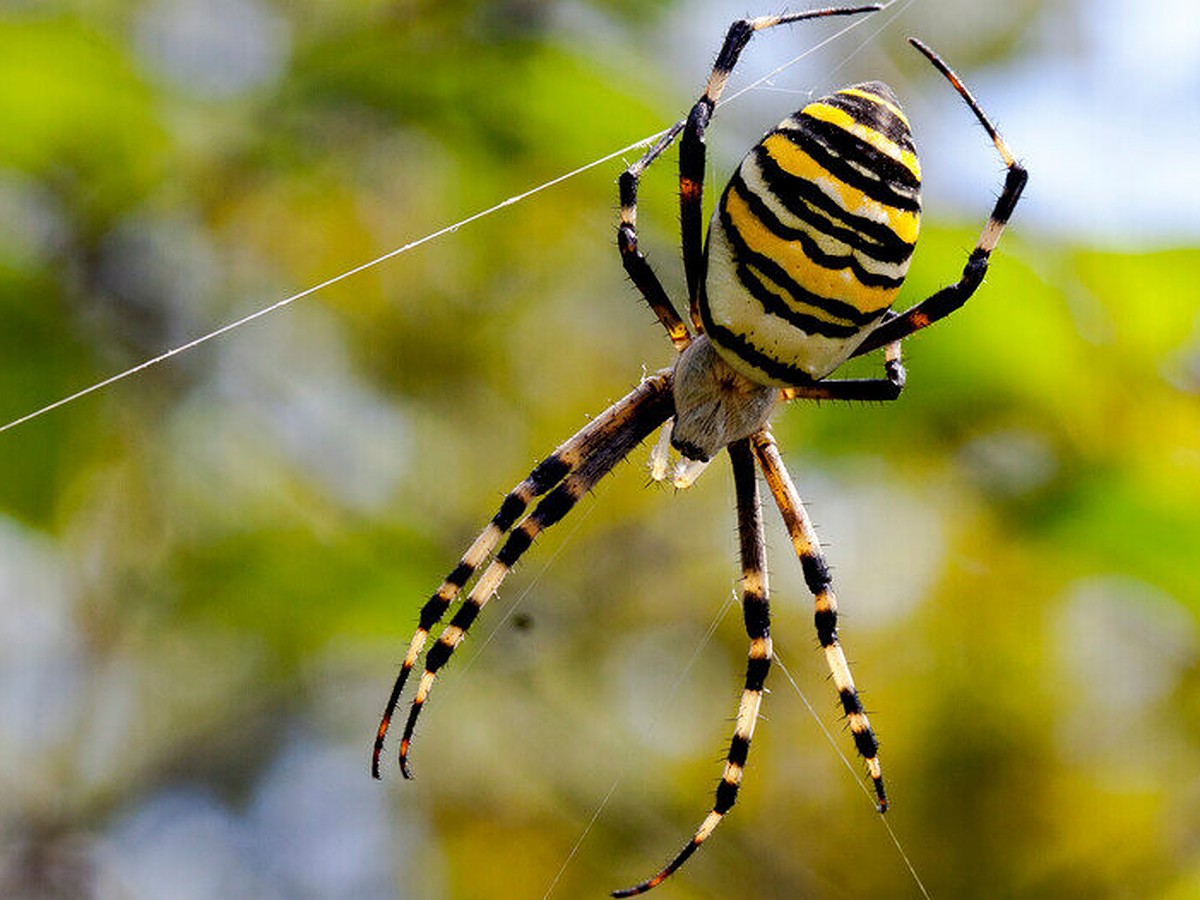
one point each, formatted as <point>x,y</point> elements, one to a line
<point>412,245</point>
<point>853,774</point>
<point>349,273</point>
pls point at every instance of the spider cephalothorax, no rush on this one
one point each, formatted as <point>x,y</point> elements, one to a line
<point>715,404</point>
<point>806,251</point>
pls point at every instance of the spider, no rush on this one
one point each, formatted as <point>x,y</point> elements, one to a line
<point>806,250</point>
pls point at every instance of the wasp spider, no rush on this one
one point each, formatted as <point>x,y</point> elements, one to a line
<point>806,251</point>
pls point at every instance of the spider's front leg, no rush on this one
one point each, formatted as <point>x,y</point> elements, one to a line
<point>692,152</point>
<point>950,298</point>
<point>692,157</point>
<point>637,267</point>
<point>757,615</point>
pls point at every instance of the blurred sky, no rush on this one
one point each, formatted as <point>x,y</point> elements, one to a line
<point>1100,100</point>
<point>1112,125</point>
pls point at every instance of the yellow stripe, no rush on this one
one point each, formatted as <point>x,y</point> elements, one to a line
<point>706,828</point>
<point>885,145</point>
<point>415,647</point>
<point>747,715</point>
<point>875,98</point>
<point>837,284</point>
<point>796,162</point>
<point>760,648</point>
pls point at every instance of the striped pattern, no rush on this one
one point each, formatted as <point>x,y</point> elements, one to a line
<point>812,238</point>
<point>807,249</point>
<point>634,261</point>
<point>817,577</point>
<point>547,474</point>
<point>757,616</point>
<point>951,297</point>
<point>561,479</point>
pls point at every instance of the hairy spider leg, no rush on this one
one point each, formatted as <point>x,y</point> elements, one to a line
<point>820,584</point>
<point>756,613</point>
<point>544,476</point>
<point>692,151</point>
<point>637,267</point>
<point>611,437</point>
<point>692,155</point>
<point>886,388</point>
<point>950,298</point>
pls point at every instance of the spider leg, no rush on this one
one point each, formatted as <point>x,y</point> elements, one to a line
<point>544,476</point>
<point>817,577</point>
<point>691,178</point>
<point>692,151</point>
<point>601,445</point>
<point>757,615</point>
<point>637,267</point>
<point>950,298</point>
<point>886,388</point>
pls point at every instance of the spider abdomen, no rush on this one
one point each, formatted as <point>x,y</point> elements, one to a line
<point>812,237</point>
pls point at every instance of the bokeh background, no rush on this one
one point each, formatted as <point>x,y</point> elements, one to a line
<point>209,571</point>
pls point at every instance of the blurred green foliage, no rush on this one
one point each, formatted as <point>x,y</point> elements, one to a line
<point>219,560</point>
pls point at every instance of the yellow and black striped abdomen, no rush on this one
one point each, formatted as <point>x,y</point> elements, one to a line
<point>812,238</point>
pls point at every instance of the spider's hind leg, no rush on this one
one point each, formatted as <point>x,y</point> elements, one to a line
<point>544,476</point>
<point>757,616</point>
<point>582,461</point>
<point>817,577</point>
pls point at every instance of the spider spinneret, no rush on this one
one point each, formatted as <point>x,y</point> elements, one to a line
<point>806,251</point>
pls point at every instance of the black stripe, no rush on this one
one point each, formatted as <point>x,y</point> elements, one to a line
<point>756,673</point>
<point>850,702</point>
<point>1014,184</point>
<point>875,239</point>
<point>518,542</point>
<point>726,797</point>
<point>510,510</point>
<point>739,749</point>
<point>774,304</point>
<point>816,573</point>
<point>736,38</point>
<point>850,148</point>
<point>866,744</point>
<point>826,622</point>
<point>743,349</point>
<point>467,613</point>
<point>832,148</point>
<point>811,249</point>
<point>548,473</point>
<point>434,660</point>
<point>459,576</point>
<point>432,611</point>
<point>757,615</point>
<point>872,113</point>
<point>556,505</point>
